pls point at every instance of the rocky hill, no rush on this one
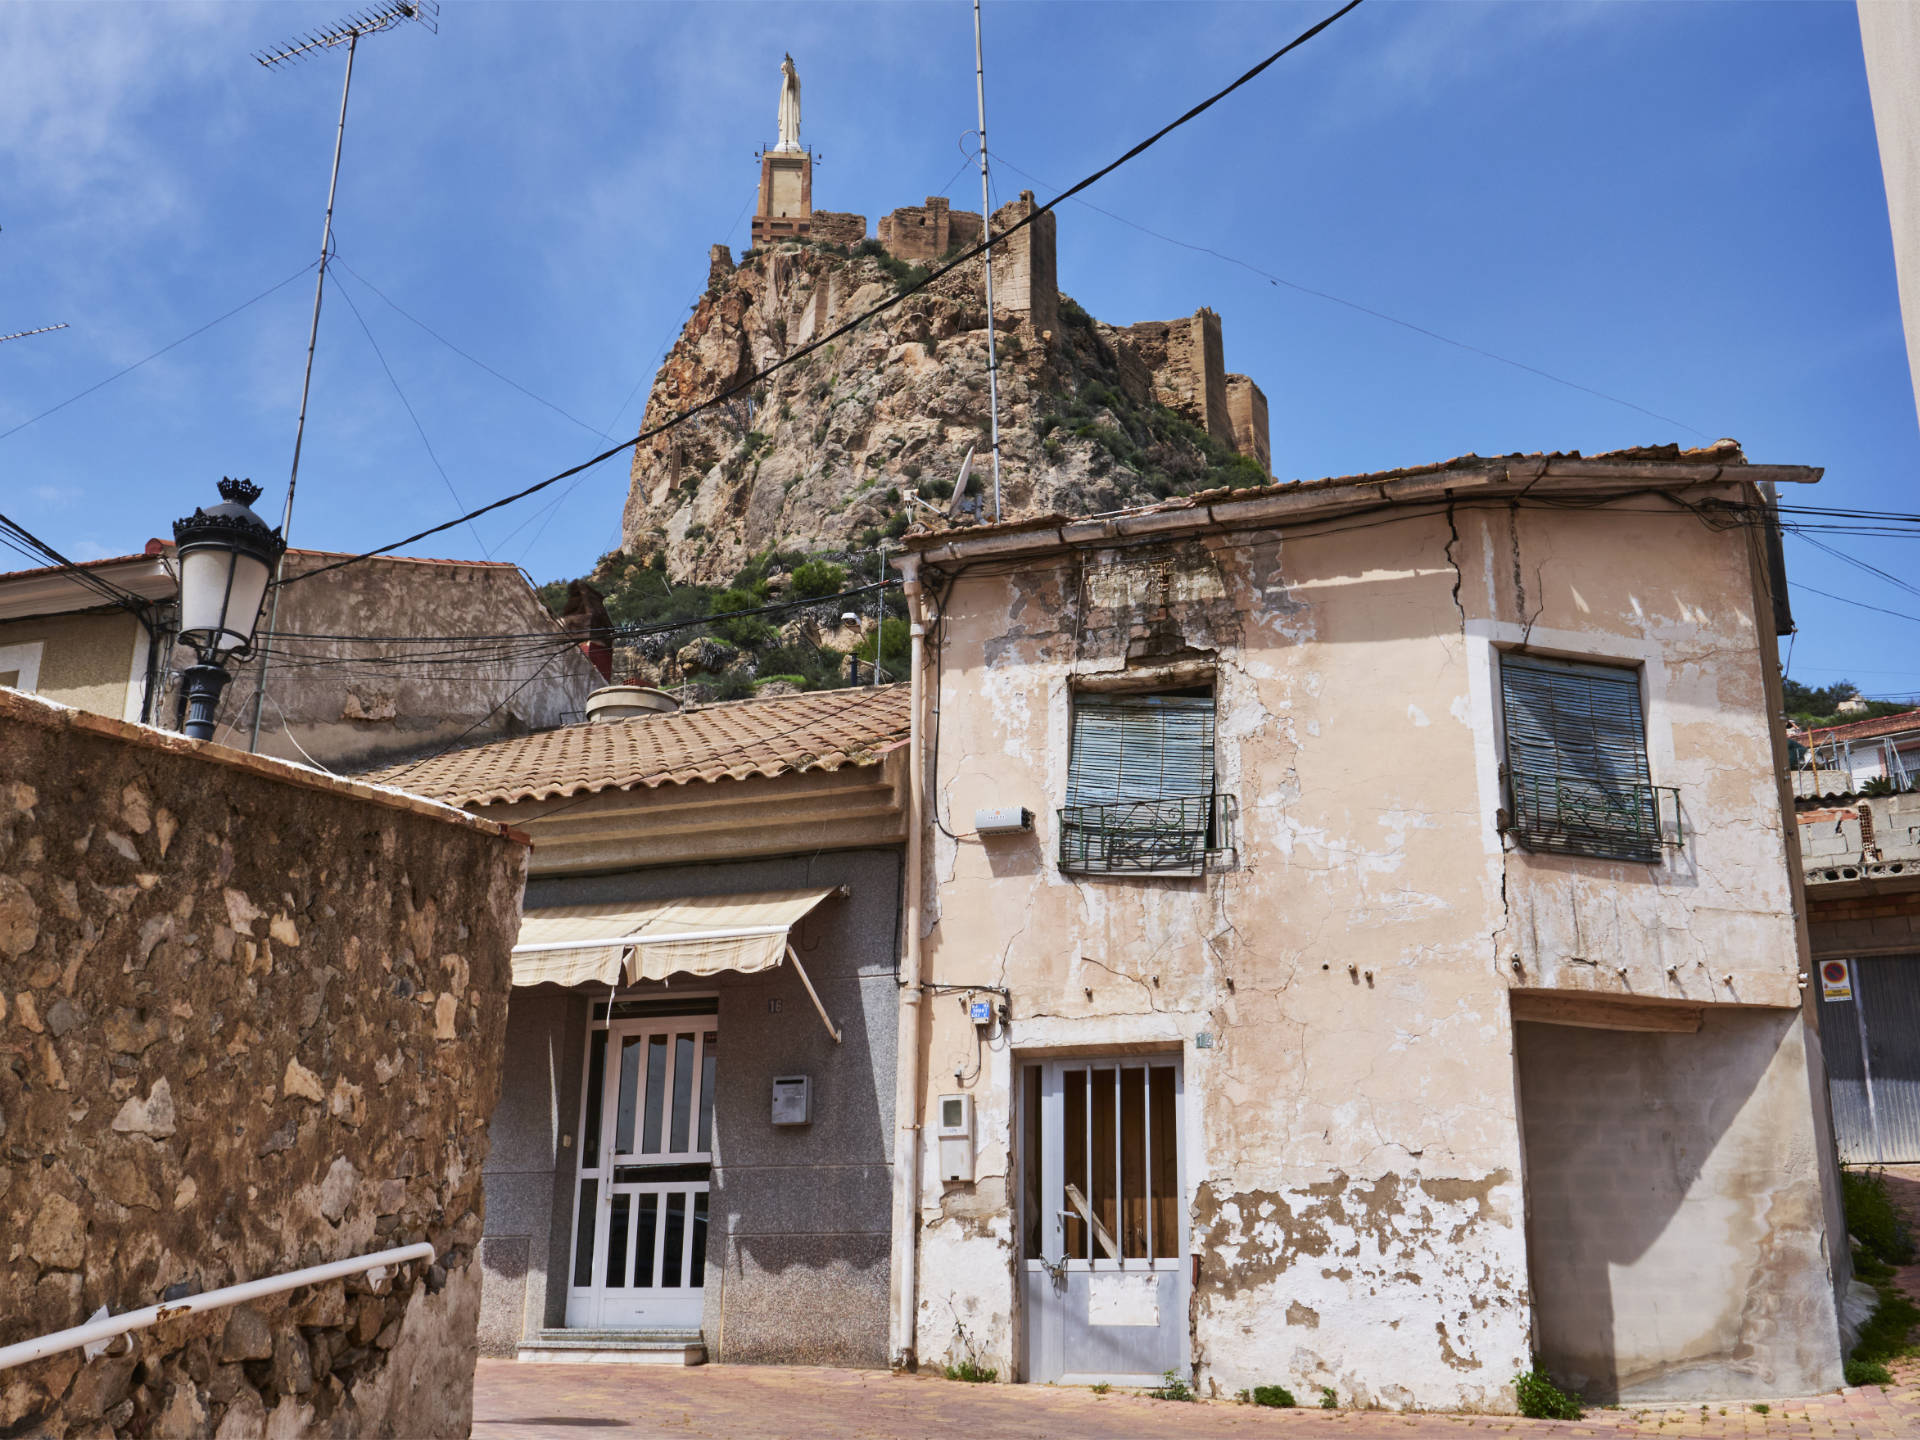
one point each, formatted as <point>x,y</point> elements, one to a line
<point>819,457</point>
<point>787,490</point>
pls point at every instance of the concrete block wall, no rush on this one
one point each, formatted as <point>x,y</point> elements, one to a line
<point>1881,923</point>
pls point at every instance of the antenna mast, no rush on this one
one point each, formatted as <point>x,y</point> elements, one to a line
<point>23,334</point>
<point>346,32</point>
<point>986,228</point>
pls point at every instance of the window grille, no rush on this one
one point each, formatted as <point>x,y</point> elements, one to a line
<point>1140,786</point>
<point>1577,776</point>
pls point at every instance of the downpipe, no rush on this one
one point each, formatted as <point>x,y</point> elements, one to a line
<point>903,1287</point>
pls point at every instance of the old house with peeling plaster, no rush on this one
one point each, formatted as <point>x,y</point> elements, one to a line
<point>1352,942</point>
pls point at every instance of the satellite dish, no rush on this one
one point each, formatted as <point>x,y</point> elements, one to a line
<point>960,485</point>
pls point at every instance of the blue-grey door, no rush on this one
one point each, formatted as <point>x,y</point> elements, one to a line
<point>1872,1048</point>
<point>1104,1221</point>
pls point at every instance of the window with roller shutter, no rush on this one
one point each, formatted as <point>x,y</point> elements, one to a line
<point>1140,785</point>
<point>1576,753</point>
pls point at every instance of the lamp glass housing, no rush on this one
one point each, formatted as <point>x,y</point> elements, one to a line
<point>221,592</point>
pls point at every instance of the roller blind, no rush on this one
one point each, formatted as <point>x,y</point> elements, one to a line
<point>1580,722</point>
<point>1140,747</point>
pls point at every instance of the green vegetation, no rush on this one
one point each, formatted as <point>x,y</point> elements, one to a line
<point>1884,1241</point>
<point>973,1372</point>
<point>1811,708</point>
<point>1541,1399</point>
<point>640,597</point>
<point>1173,1387</point>
<point>1273,1397</point>
<point>1762,1408</point>
<point>1329,1398</point>
<point>1102,1388</point>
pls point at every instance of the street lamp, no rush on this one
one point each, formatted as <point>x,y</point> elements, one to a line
<point>227,555</point>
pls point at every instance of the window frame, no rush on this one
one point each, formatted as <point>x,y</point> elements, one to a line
<point>1138,830</point>
<point>1586,812</point>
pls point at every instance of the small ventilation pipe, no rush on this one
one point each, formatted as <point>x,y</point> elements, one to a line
<point>906,1101</point>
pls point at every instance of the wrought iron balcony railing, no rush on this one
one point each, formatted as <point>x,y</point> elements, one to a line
<point>1171,836</point>
<point>1574,815</point>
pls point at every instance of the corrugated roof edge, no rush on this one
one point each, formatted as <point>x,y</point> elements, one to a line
<point>52,715</point>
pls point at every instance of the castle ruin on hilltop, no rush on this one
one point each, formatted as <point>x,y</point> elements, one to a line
<point>823,455</point>
<point>1184,359</point>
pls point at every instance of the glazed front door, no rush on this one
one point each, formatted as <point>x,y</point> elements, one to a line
<point>1103,1214</point>
<point>646,1143</point>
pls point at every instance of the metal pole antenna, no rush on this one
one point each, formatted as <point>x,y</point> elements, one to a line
<point>347,32</point>
<point>986,226</point>
<point>306,384</point>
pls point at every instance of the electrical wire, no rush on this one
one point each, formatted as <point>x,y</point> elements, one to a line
<point>898,297</point>
<point>26,543</point>
<point>421,430</point>
<point>506,380</point>
<point>246,304</point>
<point>1281,280</point>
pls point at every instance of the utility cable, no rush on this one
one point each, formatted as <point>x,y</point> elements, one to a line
<point>1280,280</point>
<point>30,545</point>
<point>393,380</point>
<point>898,297</point>
<point>507,380</point>
<point>246,304</point>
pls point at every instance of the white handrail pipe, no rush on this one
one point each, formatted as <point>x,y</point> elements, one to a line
<point>114,1325</point>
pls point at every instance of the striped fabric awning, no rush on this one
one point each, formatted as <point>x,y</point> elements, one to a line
<point>650,940</point>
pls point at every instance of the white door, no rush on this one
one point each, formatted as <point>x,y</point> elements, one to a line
<point>646,1148</point>
<point>1104,1278</point>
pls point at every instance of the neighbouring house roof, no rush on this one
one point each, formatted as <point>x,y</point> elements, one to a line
<point>817,730</point>
<point>1864,729</point>
<point>53,590</point>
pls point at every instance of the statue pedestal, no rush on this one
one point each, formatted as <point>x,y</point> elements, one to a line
<point>785,211</point>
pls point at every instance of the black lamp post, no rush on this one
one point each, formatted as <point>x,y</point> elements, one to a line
<point>227,556</point>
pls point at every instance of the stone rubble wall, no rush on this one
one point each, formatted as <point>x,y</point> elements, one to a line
<point>250,1020</point>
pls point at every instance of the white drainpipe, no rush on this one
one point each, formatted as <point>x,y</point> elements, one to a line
<point>906,1101</point>
<point>99,1330</point>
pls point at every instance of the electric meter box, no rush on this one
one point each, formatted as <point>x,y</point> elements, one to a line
<point>792,1100</point>
<point>955,1132</point>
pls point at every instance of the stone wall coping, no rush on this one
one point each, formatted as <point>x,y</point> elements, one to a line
<point>17,706</point>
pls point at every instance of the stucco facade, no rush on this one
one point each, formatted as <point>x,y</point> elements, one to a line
<point>1344,988</point>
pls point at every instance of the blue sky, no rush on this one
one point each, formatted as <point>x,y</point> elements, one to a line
<point>1680,205</point>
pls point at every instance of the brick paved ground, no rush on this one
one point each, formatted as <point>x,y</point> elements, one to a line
<point>720,1402</point>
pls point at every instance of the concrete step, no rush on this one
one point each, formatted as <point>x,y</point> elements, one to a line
<point>614,1347</point>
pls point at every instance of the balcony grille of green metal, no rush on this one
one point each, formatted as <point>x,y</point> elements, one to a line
<point>1577,777</point>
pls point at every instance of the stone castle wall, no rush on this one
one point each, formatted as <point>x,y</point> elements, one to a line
<point>1025,278</point>
<point>922,233</point>
<point>250,1020</point>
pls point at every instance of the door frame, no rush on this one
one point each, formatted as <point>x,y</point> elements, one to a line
<point>1053,1162</point>
<point>679,1307</point>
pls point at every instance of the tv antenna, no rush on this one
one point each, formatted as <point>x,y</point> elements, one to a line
<point>23,334</point>
<point>986,229</point>
<point>345,32</point>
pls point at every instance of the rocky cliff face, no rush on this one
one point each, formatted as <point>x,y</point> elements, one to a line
<point>820,457</point>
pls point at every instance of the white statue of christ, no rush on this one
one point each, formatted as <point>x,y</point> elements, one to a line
<point>789,106</point>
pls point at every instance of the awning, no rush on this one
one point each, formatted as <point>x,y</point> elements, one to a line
<point>650,940</point>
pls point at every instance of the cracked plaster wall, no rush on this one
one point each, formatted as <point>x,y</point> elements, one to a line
<point>1352,1147</point>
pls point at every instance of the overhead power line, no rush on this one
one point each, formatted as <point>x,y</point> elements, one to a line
<point>1281,280</point>
<point>899,297</point>
<point>23,540</point>
<point>128,370</point>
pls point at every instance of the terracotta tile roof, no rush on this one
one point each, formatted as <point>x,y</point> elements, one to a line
<point>1866,729</point>
<point>817,730</point>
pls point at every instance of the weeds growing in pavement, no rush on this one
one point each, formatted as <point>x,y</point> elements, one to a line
<point>1541,1399</point>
